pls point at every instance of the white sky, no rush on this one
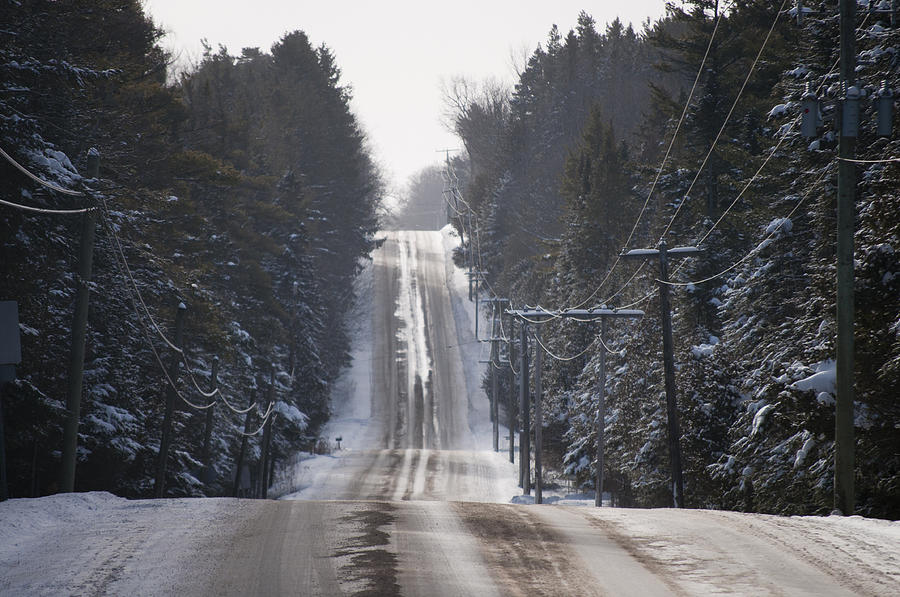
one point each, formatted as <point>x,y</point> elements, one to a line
<point>394,53</point>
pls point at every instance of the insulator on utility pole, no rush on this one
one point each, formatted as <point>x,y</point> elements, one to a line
<point>850,112</point>
<point>809,107</point>
<point>884,104</point>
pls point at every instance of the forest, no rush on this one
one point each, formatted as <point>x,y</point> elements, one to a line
<point>243,190</point>
<point>688,131</point>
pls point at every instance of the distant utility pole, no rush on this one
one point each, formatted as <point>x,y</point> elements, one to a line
<point>495,389</point>
<point>79,330</point>
<point>538,316</point>
<point>511,415</point>
<point>844,499</point>
<point>604,314</point>
<point>538,417</point>
<point>239,461</point>
<point>159,486</point>
<point>206,454</point>
<point>665,312</point>
<point>496,313</point>
<point>266,440</point>
<point>524,412</point>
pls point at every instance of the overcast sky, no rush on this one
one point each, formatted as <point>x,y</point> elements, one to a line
<point>395,54</point>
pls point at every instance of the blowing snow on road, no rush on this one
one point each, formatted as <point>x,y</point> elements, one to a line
<point>417,503</point>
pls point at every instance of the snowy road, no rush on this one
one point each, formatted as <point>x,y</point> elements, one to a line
<point>416,504</point>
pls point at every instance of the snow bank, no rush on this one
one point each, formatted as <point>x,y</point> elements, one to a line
<point>821,381</point>
<point>96,543</point>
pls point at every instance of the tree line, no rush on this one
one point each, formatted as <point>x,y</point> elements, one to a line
<point>611,140</point>
<point>244,189</point>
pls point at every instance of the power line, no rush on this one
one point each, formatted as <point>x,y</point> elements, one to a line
<point>884,161</point>
<point>122,264</point>
<point>771,154</point>
<point>659,171</point>
<point>763,244</point>
<point>745,188</point>
<point>37,179</point>
<point>725,122</point>
<point>557,357</point>
<point>265,420</point>
<point>46,211</point>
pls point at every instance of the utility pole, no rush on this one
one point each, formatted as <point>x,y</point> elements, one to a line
<point>79,330</point>
<point>206,454</point>
<point>525,413</point>
<point>538,417</point>
<point>263,474</point>
<point>496,312</point>
<point>511,415</point>
<point>10,356</point>
<point>495,383</point>
<point>605,314</point>
<point>601,418</point>
<point>665,312</point>
<point>239,461</point>
<point>159,486</point>
<point>844,499</point>
<point>583,315</point>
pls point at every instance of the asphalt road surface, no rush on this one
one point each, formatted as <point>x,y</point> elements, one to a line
<point>416,508</point>
<point>412,516</point>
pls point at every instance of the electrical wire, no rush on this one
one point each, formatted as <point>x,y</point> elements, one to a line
<point>606,347</point>
<point>127,271</point>
<point>41,210</point>
<point>234,409</point>
<point>262,426</point>
<point>725,122</point>
<point>122,264</point>
<point>762,244</point>
<point>884,161</point>
<point>752,179</point>
<point>122,268</point>
<point>557,357</point>
<point>37,179</point>
<point>190,371</point>
<point>659,171</point>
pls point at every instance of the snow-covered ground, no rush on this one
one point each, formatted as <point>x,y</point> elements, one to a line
<point>99,544</point>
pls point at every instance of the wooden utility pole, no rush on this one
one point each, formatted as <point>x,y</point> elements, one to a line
<point>511,415</point>
<point>538,316</point>
<point>263,474</point>
<point>665,312</point>
<point>495,385</point>
<point>239,461</point>
<point>496,312</point>
<point>206,454</point>
<point>525,413</point>
<point>605,314</point>
<point>844,499</point>
<point>159,486</point>
<point>79,330</point>
<point>538,417</point>
<point>10,356</point>
<point>601,418</point>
